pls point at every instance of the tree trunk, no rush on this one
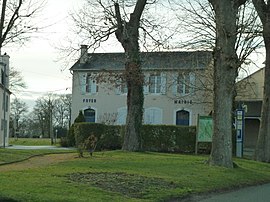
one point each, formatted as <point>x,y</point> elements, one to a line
<point>262,152</point>
<point>135,99</point>
<point>128,35</point>
<point>225,71</point>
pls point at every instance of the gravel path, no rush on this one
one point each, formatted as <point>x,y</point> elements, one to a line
<point>38,161</point>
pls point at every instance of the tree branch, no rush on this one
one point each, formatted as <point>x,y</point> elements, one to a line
<point>261,9</point>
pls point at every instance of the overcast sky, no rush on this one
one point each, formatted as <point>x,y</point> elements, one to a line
<point>37,60</point>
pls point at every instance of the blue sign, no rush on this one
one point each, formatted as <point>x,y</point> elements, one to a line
<point>239,126</point>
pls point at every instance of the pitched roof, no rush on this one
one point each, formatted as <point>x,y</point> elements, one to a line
<point>150,61</point>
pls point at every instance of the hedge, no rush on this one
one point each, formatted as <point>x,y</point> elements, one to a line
<point>165,138</point>
<point>108,137</point>
<point>160,138</point>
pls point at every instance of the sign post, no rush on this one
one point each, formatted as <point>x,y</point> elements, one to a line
<point>239,126</point>
<point>204,130</point>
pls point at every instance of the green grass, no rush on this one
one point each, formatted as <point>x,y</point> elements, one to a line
<point>124,176</point>
<point>31,141</point>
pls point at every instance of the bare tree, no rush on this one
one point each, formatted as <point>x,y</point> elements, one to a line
<point>16,23</point>
<point>99,21</point>
<point>16,82</point>
<point>62,110</point>
<point>262,152</point>
<point>197,22</point>
<point>43,112</point>
<point>18,110</point>
<point>226,63</point>
<point>207,27</point>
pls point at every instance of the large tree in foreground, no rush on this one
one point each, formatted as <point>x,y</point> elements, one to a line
<point>127,34</point>
<point>99,21</point>
<point>197,22</point>
<point>226,63</point>
<point>262,152</point>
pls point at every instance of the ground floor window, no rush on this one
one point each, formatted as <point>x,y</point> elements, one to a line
<point>182,118</point>
<point>153,116</point>
<point>90,115</point>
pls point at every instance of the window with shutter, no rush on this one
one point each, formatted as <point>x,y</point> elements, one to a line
<point>185,83</point>
<point>153,115</point>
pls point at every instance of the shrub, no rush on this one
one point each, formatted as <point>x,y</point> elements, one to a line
<point>80,118</point>
<point>108,137</point>
<point>160,138</point>
<point>69,140</point>
<point>164,138</point>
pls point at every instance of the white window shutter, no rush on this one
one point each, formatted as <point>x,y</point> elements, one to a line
<point>82,79</point>
<point>163,83</point>
<point>146,83</point>
<point>93,86</point>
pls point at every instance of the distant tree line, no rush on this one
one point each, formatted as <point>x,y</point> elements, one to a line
<point>49,117</point>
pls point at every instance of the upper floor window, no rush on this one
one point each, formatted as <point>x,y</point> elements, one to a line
<point>184,83</point>
<point>88,84</point>
<point>155,83</point>
<point>121,88</point>
<point>91,85</point>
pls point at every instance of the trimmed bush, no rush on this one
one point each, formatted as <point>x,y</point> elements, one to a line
<point>80,118</point>
<point>160,138</point>
<point>108,137</point>
<point>164,138</point>
<point>69,140</point>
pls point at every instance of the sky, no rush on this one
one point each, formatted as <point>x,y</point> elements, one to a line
<point>38,59</point>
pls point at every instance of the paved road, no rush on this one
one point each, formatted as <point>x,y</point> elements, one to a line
<point>37,147</point>
<point>259,193</point>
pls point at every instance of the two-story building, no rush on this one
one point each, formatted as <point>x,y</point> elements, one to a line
<point>4,100</point>
<point>173,88</point>
<point>250,96</point>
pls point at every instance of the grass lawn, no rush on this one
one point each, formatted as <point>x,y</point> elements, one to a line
<point>31,141</point>
<point>124,176</point>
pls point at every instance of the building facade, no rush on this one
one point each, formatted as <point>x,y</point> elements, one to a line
<point>173,92</point>
<point>4,101</point>
<point>250,96</point>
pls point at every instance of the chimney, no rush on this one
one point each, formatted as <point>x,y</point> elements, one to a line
<point>83,57</point>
